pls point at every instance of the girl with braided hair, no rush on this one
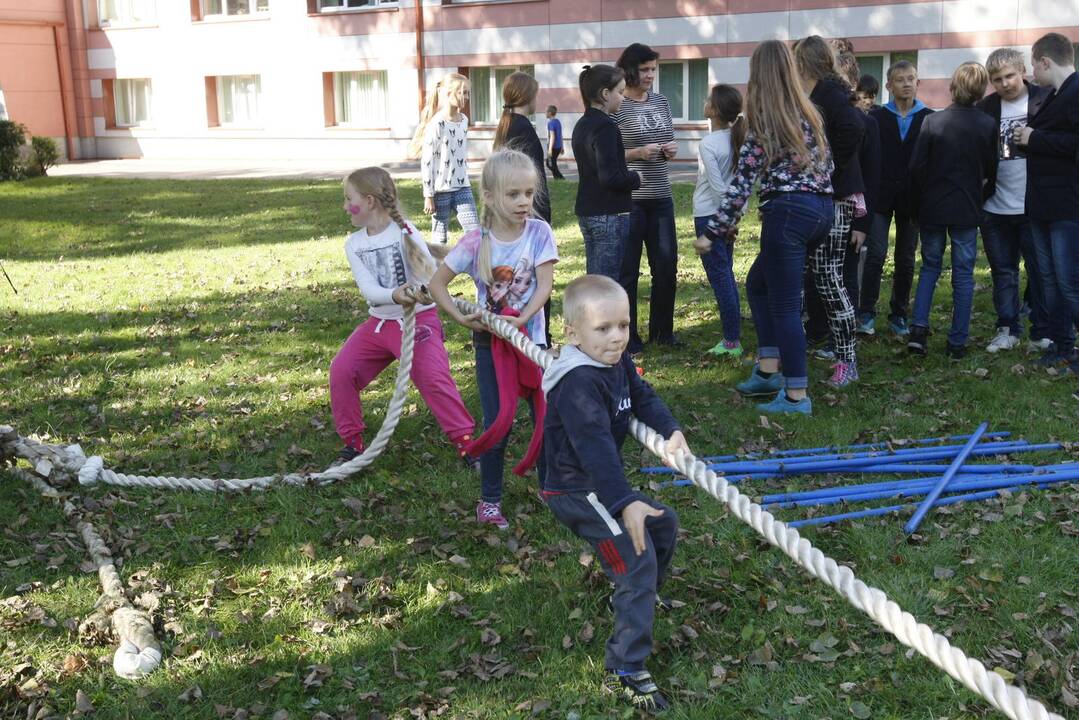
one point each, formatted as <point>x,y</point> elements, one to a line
<point>389,261</point>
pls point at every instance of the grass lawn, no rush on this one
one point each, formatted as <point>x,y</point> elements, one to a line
<point>186,328</point>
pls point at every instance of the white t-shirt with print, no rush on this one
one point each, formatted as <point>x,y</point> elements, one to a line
<point>513,265</point>
<point>379,267</point>
<point>1011,192</point>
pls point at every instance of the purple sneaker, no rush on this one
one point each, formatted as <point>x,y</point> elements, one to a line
<point>489,512</point>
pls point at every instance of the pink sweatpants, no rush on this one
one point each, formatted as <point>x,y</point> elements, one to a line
<point>367,352</point>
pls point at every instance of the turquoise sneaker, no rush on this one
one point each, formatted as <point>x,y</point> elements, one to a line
<point>899,326</point>
<point>865,326</point>
<point>759,386</point>
<point>783,404</point>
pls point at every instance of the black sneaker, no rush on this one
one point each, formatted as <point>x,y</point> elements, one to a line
<point>956,352</point>
<point>918,340</point>
<point>670,341</point>
<point>1051,357</point>
<point>347,453</point>
<point>638,689</point>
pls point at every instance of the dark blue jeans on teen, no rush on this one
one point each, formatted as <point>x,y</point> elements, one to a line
<point>719,267</point>
<point>1056,244</point>
<point>1006,239</point>
<point>605,238</point>
<point>906,250</point>
<point>651,224</point>
<point>493,462</point>
<point>792,224</point>
<point>964,254</point>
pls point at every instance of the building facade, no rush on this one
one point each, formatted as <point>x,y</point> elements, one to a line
<point>345,78</point>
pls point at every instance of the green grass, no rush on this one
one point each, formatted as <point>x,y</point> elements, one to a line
<point>186,328</point>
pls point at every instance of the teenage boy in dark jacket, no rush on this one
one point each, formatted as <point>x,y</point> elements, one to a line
<point>952,172</point>
<point>1051,140</point>
<point>1006,233</point>
<point>900,121</point>
<point>591,391</point>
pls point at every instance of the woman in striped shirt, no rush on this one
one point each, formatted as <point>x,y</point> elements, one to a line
<point>648,134</point>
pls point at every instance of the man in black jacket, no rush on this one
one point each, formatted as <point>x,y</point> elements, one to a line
<point>1051,140</point>
<point>1006,233</point>
<point>900,121</point>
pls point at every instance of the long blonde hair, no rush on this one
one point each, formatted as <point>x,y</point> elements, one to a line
<point>503,166</point>
<point>451,83</point>
<point>776,104</point>
<point>377,182</point>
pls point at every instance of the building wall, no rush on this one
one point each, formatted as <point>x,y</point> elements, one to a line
<point>291,50</point>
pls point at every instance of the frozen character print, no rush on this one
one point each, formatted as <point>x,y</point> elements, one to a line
<point>498,290</point>
<point>522,283</point>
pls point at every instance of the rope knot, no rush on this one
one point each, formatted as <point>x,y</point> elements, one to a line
<point>91,470</point>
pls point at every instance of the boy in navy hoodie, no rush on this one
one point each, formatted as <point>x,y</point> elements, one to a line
<point>592,388</point>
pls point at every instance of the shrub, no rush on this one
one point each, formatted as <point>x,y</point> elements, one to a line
<point>45,154</point>
<point>12,139</point>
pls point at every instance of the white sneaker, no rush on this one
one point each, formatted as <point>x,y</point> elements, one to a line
<point>1039,345</point>
<point>1004,340</point>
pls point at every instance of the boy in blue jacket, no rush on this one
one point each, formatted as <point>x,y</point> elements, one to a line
<point>591,390</point>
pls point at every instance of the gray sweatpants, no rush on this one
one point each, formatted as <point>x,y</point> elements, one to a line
<point>636,578</point>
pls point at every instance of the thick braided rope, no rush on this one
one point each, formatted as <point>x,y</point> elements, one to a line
<point>91,470</point>
<point>138,652</point>
<point>1009,699</point>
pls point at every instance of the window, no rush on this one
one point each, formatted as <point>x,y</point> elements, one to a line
<point>359,99</point>
<point>486,102</point>
<point>685,84</point>
<point>234,7</point>
<point>131,101</point>
<point>233,100</point>
<point>339,5</point>
<point>125,12</point>
<point>877,66</point>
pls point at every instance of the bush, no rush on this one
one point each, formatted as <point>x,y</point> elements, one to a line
<point>45,154</point>
<point>12,139</point>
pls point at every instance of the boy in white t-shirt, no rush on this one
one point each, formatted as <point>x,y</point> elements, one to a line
<point>1006,233</point>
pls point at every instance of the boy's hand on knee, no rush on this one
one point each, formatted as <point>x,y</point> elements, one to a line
<point>702,245</point>
<point>857,239</point>
<point>676,442</point>
<point>633,517</point>
<point>429,205</point>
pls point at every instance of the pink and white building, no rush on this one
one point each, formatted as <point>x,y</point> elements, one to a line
<point>345,78</point>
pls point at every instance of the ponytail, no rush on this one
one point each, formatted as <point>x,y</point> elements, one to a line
<point>726,103</point>
<point>518,90</point>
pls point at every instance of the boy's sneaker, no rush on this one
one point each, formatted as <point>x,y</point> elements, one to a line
<point>1004,340</point>
<point>865,326</point>
<point>956,352</point>
<point>638,689</point>
<point>825,353</point>
<point>347,453</point>
<point>783,404</point>
<point>1039,345</point>
<point>1051,357</point>
<point>843,374</point>
<point>918,341</point>
<point>899,326</point>
<point>727,347</point>
<point>470,462</point>
<point>759,386</point>
<point>489,512</point>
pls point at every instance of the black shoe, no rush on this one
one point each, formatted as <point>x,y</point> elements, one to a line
<point>918,340</point>
<point>955,352</point>
<point>670,341</point>
<point>347,453</point>
<point>638,689</point>
<point>1051,357</point>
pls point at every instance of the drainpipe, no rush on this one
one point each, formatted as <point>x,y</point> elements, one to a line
<point>421,59</point>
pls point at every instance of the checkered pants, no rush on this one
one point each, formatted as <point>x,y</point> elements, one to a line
<point>826,264</point>
<point>446,202</point>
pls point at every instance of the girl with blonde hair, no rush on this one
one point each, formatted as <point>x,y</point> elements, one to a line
<point>389,259</point>
<point>441,144</point>
<point>786,150</point>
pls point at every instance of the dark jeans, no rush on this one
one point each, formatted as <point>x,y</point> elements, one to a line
<point>605,239</point>
<point>906,248</point>
<point>1006,238</point>
<point>1056,244</point>
<point>719,267</point>
<point>792,224</point>
<point>552,164</point>
<point>964,254</point>
<point>493,462</point>
<point>651,225</point>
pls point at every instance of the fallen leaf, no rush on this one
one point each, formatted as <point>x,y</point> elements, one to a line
<point>943,573</point>
<point>192,693</point>
<point>859,710</point>
<point>82,703</point>
<point>308,551</point>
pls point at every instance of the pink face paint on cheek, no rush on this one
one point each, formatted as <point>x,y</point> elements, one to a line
<point>353,209</point>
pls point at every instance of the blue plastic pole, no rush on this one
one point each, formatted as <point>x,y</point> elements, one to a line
<point>946,478</point>
<point>861,446</point>
<point>873,512</point>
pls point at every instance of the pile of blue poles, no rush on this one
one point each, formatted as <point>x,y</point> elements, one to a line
<point>934,484</point>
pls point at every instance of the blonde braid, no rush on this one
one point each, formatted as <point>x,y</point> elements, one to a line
<point>418,261</point>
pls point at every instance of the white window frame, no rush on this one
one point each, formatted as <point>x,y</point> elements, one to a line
<point>886,61</point>
<point>207,11</point>
<point>131,87</point>
<point>127,12</point>
<point>248,122</point>
<point>681,115</point>
<point>354,5</point>
<point>338,102</point>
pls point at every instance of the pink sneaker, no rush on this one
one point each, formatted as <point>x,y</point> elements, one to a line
<point>488,512</point>
<point>843,374</point>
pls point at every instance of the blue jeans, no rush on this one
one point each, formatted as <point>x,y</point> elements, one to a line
<point>1056,245</point>
<point>493,462</point>
<point>906,250</point>
<point>719,267</point>
<point>459,200</point>
<point>1006,238</point>
<point>605,239</point>
<point>964,254</point>
<point>791,225</point>
<point>652,226</point>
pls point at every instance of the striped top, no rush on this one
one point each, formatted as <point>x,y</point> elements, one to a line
<point>643,122</point>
